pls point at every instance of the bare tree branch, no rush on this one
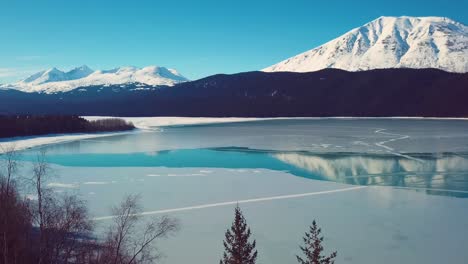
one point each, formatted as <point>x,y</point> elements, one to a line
<point>127,242</point>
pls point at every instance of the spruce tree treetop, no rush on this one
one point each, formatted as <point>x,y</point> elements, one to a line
<point>237,248</point>
<point>313,248</point>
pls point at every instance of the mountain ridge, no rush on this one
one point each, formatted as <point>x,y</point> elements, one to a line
<point>54,80</point>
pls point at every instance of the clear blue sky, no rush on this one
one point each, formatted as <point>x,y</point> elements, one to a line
<point>198,38</point>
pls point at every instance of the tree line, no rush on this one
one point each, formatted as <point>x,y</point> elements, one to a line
<point>57,228</point>
<point>31,125</point>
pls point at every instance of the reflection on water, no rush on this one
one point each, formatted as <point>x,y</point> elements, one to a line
<point>444,174</point>
<point>436,173</point>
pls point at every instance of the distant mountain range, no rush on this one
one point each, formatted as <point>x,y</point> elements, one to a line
<point>392,66</point>
<point>329,92</point>
<point>54,80</point>
<point>389,42</point>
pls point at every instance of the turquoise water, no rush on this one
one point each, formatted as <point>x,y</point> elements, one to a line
<point>439,174</point>
<point>171,158</point>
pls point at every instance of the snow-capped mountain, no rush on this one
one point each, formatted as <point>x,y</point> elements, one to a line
<point>389,42</point>
<point>55,75</point>
<point>54,80</point>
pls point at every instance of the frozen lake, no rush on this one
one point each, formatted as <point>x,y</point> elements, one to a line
<point>383,191</point>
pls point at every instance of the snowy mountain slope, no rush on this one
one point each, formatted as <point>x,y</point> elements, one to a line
<point>389,42</point>
<point>54,80</point>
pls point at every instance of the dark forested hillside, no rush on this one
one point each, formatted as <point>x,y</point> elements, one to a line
<point>12,126</point>
<point>330,92</point>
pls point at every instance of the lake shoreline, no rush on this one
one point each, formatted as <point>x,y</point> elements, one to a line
<point>152,123</point>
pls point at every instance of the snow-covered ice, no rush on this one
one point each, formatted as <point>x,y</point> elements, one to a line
<point>162,121</point>
<point>21,143</point>
<point>392,225</point>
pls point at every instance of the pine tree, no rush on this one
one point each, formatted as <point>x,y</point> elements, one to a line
<point>313,248</point>
<point>237,248</point>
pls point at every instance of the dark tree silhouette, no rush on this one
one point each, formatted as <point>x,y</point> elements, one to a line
<point>30,125</point>
<point>49,229</point>
<point>237,248</point>
<point>15,225</point>
<point>313,248</point>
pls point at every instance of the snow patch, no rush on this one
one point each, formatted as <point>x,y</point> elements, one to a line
<point>95,183</point>
<point>62,185</point>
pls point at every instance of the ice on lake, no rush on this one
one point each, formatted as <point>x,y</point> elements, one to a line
<point>365,225</point>
<point>383,191</point>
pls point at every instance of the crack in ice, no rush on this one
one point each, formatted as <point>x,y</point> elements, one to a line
<point>254,200</point>
<point>392,150</point>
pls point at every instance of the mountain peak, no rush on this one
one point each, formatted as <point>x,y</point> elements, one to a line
<point>53,69</point>
<point>78,72</point>
<point>52,74</point>
<point>390,42</point>
<point>83,67</point>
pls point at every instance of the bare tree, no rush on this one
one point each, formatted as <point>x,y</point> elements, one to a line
<point>313,248</point>
<point>63,220</point>
<point>67,228</point>
<point>10,156</point>
<point>15,225</point>
<point>127,242</point>
<point>40,173</point>
<point>7,194</point>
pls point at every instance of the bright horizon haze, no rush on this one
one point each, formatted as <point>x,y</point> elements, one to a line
<point>198,38</point>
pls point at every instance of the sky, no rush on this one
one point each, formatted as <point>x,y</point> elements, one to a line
<point>198,38</point>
